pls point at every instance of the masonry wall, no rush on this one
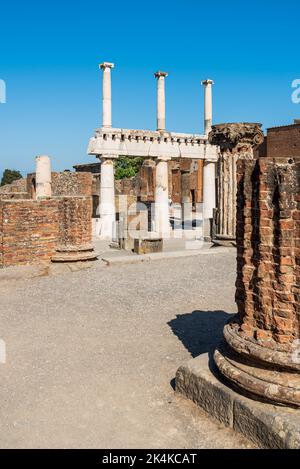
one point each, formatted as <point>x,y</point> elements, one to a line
<point>284,142</point>
<point>75,227</point>
<point>31,230</point>
<point>28,231</point>
<point>268,249</point>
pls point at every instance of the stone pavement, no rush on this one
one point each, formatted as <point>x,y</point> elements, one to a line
<point>92,353</point>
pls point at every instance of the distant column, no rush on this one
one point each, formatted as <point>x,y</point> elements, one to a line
<point>161,100</point>
<point>207,105</point>
<point>106,94</point>
<point>43,176</point>
<point>162,224</point>
<point>107,199</point>
<point>209,196</point>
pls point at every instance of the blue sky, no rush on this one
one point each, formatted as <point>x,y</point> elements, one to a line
<point>49,55</point>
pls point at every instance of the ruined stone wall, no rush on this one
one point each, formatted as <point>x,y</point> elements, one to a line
<point>32,230</point>
<point>28,231</point>
<point>268,249</point>
<point>74,219</point>
<point>20,185</point>
<point>66,184</point>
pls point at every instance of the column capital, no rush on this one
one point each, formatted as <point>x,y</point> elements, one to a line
<point>159,74</point>
<point>233,136</point>
<point>207,82</point>
<point>104,65</point>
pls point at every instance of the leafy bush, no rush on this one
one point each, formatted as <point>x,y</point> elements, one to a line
<point>9,176</point>
<point>126,167</point>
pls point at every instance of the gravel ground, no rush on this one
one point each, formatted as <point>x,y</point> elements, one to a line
<point>91,354</point>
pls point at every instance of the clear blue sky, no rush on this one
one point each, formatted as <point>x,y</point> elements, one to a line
<point>50,50</point>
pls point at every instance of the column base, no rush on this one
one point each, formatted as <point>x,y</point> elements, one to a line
<point>74,254</point>
<point>223,240</point>
<point>257,380</point>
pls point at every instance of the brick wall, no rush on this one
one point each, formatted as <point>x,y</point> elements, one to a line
<point>75,227</point>
<point>268,249</point>
<point>28,230</point>
<point>284,142</point>
<point>31,230</point>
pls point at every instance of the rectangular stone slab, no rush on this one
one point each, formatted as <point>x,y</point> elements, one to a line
<point>266,425</point>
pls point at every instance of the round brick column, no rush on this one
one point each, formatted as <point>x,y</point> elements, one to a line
<point>261,350</point>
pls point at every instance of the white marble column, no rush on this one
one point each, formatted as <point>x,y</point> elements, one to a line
<point>106,94</point>
<point>43,176</point>
<point>209,195</point>
<point>161,100</point>
<point>107,199</point>
<point>207,105</point>
<point>162,223</point>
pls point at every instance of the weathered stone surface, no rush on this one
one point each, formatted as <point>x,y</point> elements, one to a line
<point>265,336</point>
<point>236,141</point>
<point>147,246</point>
<point>266,425</point>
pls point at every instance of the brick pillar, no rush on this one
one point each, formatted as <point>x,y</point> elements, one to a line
<point>75,230</point>
<point>236,141</point>
<point>261,351</point>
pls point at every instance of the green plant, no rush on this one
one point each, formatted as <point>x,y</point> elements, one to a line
<point>127,167</point>
<point>9,176</point>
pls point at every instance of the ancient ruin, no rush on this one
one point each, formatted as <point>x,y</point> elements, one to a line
<point>236,142</point>
<point>46,217</point>
<point>261,350</point>
<point>160,146</point>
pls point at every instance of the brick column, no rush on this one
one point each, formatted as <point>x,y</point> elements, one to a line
<point>261,351</point>
<point>236,141</point>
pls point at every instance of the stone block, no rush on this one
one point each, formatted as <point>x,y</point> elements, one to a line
<point>266,425</point>
<point>147,246</point>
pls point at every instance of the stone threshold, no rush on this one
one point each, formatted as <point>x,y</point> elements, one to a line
<point>266,425</point>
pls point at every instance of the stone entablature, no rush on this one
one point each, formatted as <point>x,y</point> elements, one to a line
<point>117,142</point>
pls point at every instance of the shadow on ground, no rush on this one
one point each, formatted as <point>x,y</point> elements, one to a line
<point>200,331</point>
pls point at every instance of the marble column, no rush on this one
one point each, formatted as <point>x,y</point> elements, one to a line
<point>209,197</point>
<point>236,141</point>
<point>162,223</point>
<point>161,102</point>
<point>106,94</point>
<point>107,199</point>
<point>207,105</point>
<point>43,176</point>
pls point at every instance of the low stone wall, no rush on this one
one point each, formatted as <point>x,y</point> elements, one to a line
<point>268,250</point>
<point>32,230</point>
<point>28,231</point>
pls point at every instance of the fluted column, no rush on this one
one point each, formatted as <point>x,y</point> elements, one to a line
<point>236,141</point>
<point>161,100</point>
<point>107,199</point>
<point>106,94</point>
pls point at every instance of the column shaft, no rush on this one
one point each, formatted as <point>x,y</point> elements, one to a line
<point>107,200</point>
<point>106,94</point>
<point>162,224</point>
<point>209,195</point>
<point>161,100</point>
<point>43,176</point>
